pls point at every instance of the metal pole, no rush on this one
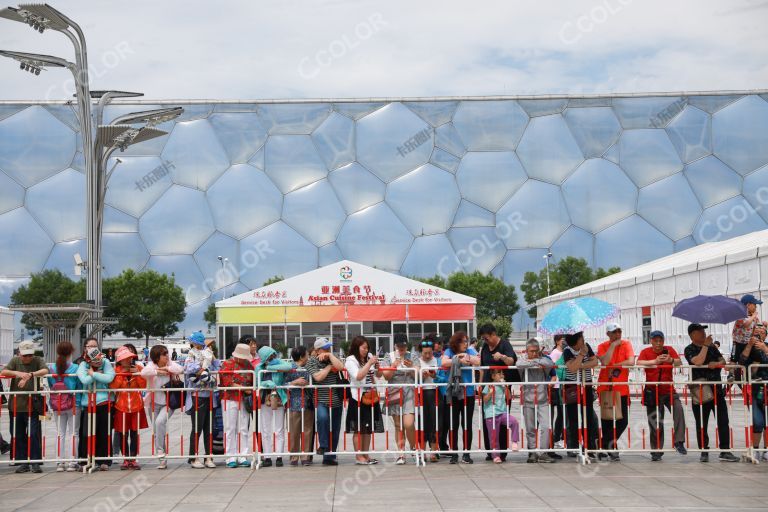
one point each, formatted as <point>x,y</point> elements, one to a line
<point>547,256</point>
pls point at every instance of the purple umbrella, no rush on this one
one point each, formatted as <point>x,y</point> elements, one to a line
<point>710,309</point>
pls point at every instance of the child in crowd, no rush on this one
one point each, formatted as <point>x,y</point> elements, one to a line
<point>200,352</point>
<point>495,397</point>
<point>129,415</point>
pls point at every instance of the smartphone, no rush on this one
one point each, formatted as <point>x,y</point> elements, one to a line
<point>665,351</point>
<point>407,356</point>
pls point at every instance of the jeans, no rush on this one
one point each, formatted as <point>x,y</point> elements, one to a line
<point>102,441</point>
<point>27,437</point>
<point>536,419</point>
<point>65,421</point>
<point>443,423</point>
<point>557,412</point>
<point>758,408</point>
<point>328,428</point>
<point>720,408</point>
<point>160,418</point>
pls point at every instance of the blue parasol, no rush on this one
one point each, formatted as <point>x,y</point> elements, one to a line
<point>575,315</point>
<point>710,309</point>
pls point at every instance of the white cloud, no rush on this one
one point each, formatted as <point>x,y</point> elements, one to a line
<point>242,49</point>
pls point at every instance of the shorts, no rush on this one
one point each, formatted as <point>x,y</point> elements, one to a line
<point>401,402</point>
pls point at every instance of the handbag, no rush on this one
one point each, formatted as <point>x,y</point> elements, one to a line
<point>570,394</point>
<point>610,405</point>
<point>370,397</point>
<point>175,399</point>
<point>248,403</point>
<point>701,393</point>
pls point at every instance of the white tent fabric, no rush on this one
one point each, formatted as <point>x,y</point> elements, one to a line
<point>732,267</point>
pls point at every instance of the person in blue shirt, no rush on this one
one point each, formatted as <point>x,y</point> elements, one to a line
<point>462,400</point>
<point>63,380</point>
<point>95,373</point>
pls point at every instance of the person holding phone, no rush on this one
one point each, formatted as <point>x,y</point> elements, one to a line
<point>756,353</point>
<point>703,353</point>
<point>401,405</point>
<point>659,361</point>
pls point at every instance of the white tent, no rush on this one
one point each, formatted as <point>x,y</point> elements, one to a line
<point>6,335</point>
<point>647,293</point>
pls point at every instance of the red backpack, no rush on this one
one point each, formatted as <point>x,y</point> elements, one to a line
<point>61,402</point>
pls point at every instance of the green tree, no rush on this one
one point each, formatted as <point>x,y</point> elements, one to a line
<point>145,304</point>
<point>273,280</point>
<point>567,273</point>
<point>47,287</point>
<point>503,325</point>
<point>210,315</point>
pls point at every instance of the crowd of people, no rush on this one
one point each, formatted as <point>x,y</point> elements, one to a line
<point>119,397</point>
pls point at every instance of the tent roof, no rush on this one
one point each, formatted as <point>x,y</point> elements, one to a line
<point>702,256</point>
<point>374,286</point>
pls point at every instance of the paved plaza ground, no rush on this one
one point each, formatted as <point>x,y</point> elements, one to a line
<point>678,483</point>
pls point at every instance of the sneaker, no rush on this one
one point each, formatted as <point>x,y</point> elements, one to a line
<point>294,463</point>
<point>5,447</point>
<point>24,468</point>
<point>572,454</point>
<point>515,447</point>
<point>125,465</point>
<point>163,464</point>
<point>244,463</point>
<point>559,445</point>
<point>196,464</point>
<point>655,457</point>
<point>330,462</point>
<point>266,463</point>
<point>104,467</point>
<point>497,460</point>
<point>488,458</point>
<point>73,466</point>
<point>36,468</point>
<point>614,457</point>
<point>135,465</point>
<point>765,455</point>
<point>546,459</point>
<point>306,463</point>
<point>704,457</point>
<point>321,451</point>
<point>601,456</point>
<point>400,461</point>
<point>232,464</point>
<point>159,454</point>
<point>466,459</point>
<point>60,467</point>
<point>532,458</point>
<point>728,457</point>
<point>454,459</point>
<point>209,463</point>
<point>555,456</point>
<point>680,447</point>
<point>279,462</point>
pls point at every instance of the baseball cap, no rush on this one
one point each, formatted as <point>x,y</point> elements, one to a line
<point>27,348</point>
<point>197,337</point>
<point>656,334</point>
<point>750,299</point>
<point>612,327</point>
<point>696,327</point>
<point>322,343</point>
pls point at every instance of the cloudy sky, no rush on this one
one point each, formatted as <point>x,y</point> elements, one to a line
<point>256,49</point>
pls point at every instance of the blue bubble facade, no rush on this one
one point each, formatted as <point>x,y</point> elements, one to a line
<point>419,187</point>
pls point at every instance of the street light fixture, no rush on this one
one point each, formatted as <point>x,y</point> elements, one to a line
<point>35,62</point>
<point>224,262</point>
<point>547,257</point>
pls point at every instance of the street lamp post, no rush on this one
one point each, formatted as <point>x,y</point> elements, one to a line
<point>223,262</point>
<point>547,257</point>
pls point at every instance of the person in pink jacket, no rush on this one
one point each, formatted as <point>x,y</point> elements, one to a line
<point>158,372</point>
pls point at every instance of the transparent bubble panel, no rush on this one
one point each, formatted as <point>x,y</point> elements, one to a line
<point>375,237</point>
<point>533,217</point>
<point>315,212</point>
<point>291,161</point>
<point>740,134</point>
<point>35,145</point>
<point>629,243</point>
<point>595,129</point>
<point>712,181</point>
<point>648,156</point>
<point>138,182</point>
<point>178,223</point>
<point>488,179</point>
<point>196,154</point>
<point>251,193</point>
<point>45,201</point>
<point>241,134</point>
<point>670,198</point>
<point>121,251</point>
<point>429,256</point>
<point>356,187</point>
<point>490,125</point>
<point>548,151</point>
<point>425,200</point>
<point>335,140</point>
<point>393,140</point>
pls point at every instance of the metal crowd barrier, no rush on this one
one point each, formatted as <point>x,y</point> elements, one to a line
<point>440,427</point>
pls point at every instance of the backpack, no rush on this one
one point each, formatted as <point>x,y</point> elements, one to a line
<point>61,402</point>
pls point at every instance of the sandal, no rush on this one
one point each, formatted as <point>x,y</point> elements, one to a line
<point>497,460</point>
